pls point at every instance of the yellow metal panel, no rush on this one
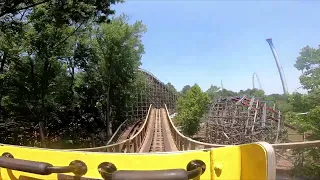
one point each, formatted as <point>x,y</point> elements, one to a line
<point>226,163</point>
<point>253,162</point>
<point>233,162</point>
<point>92,160</point>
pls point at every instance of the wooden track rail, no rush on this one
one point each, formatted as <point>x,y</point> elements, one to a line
<point>182,142</point>
<point>186,143</point>
<point>130,145</point>
<point>117,134</point>
<point>160,134</point>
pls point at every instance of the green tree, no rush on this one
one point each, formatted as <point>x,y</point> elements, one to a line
<point>191,108</point>
<point>10,47</point>
<point>213,92</point>
<point>185,89</point>
<point>280,100</point>
<point>227,93</point>
<point>253,92</point>
<point>61,10</point>
<point>172,88</point>
<point>64,69</point>
<point>33,78</point>
<point>308,62</point>
<point>118,48</point>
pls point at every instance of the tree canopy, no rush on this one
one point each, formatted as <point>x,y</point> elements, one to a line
<point>309,105</point>
<point>213,92</point>
<point>61,10</point>
<point>190,108</point>
<point>185,89</point>
<point>65,70</point>
<point>172,88</point>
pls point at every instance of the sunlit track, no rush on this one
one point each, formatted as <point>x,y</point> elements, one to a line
<point>138,148</point>
<point>163,136</point>
<point>144,135</point>
<point>159,134</point>
<point>146,144</point>
<point>185,143</point>
<point>157,142</point>
<point>169,143</point>
<point>135,129</point>
<point>130,131</point>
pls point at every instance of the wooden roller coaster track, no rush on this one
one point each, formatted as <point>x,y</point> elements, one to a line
<point>155,134</point>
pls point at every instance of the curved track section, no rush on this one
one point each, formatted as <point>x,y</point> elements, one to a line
<point>156,134</point>
<point>140,141</point>
<point>130,131</point>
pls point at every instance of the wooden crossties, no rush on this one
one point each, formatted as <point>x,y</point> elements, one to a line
<point>154,92</point>
<point>238,120</point>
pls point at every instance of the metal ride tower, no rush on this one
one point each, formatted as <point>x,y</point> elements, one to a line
<point>253,85</point>
<point>281,73</point>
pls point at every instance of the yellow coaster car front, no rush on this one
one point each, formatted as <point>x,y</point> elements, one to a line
<point>249,161</point>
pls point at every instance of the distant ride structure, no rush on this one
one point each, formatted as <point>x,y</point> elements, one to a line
<point>253,84</point>
<point>280,69</point>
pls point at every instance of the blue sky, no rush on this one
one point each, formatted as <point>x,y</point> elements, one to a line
<point>203,42</point>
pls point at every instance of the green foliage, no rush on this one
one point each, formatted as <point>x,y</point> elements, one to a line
<point>64,68</point>
<point>308,122</point>
<point>252,92</point>
<point>305,111</point>
<point>61,10</point>
<point>308,62</point>
<point>226,93</point>
<point>185,89</point>
<point>281,101</point>
<point>119,48</point>
<point>172,88</point>
<point>190,108</point>
<point>213,92</point>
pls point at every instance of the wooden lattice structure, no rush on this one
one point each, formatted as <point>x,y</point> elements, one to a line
<point>154,92</point>
<point>238,120</point>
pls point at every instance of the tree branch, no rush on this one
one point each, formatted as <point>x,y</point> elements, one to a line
<point>66,38</point>
<point>12,10</point>
<point>22,15</point>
